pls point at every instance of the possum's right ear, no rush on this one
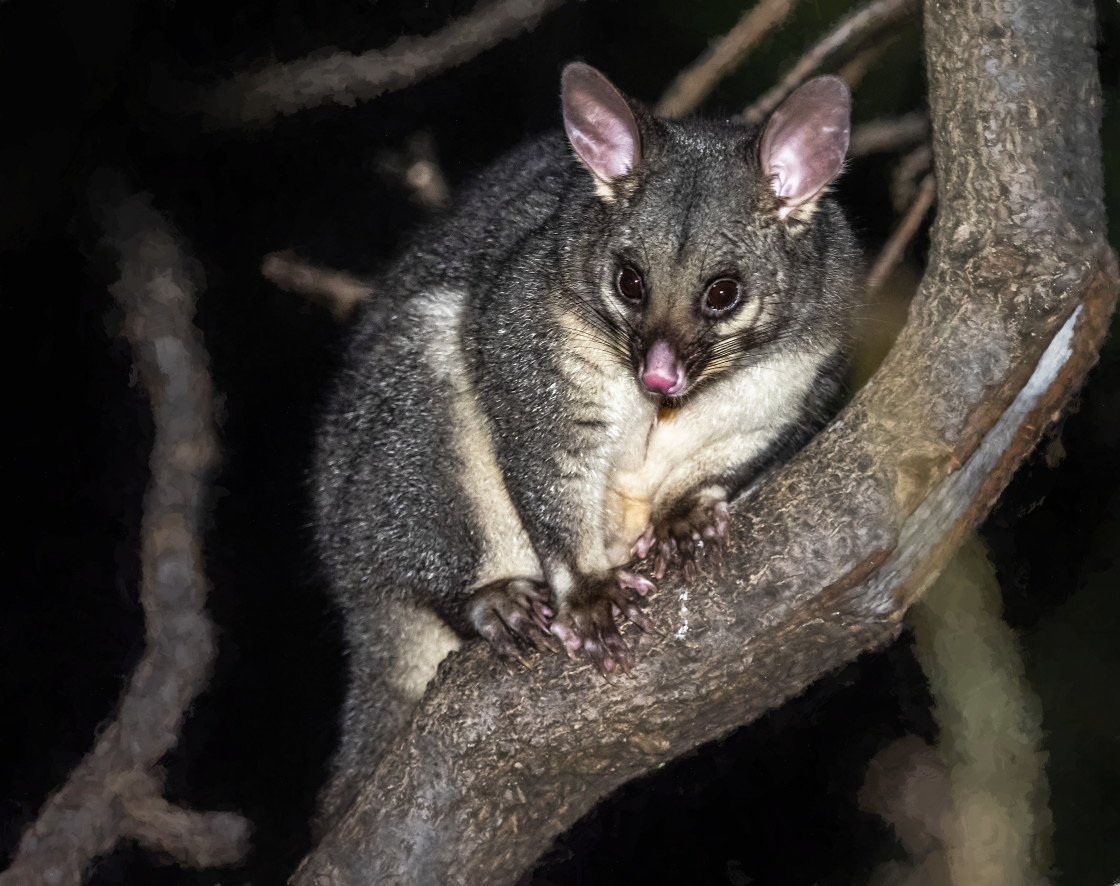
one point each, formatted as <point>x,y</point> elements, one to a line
<point>599,123</point>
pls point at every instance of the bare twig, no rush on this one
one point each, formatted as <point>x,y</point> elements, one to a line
<point>906,179</point>
<point>417,169</point>
<point>693,84</point>
<point>345,79</point>
<point>891,253</point>
<point>339,291</point>
<point>114,791</point>
<point>880,136</point>
<point>426,181</point>
<point>859,65</point>
<point>873,17</point>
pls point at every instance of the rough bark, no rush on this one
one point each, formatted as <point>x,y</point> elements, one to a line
<point>828,553</point>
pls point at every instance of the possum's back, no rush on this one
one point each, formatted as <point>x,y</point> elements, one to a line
<point>514,198</point>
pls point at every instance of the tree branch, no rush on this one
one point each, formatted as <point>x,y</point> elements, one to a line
<point>345,79</point>
<point>990,735</point>
<point>879,136</point>
<point>692,85</point>
<point>114,792</point>
<point>829,551</point>
<point>891,253</point>
<point>860,65</point>
<point>339,291</point>
<point>873,17</point>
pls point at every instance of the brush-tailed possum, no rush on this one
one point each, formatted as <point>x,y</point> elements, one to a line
<point>611,334</point>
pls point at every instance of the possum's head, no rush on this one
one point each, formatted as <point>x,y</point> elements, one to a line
<point>707,241</point>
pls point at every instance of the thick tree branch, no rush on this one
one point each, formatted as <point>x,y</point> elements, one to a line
<point>829,551</point>
<point>115,791</point>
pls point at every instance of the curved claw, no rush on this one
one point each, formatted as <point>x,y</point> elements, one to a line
<point>586,623</point>
<point>514,615</point>
<point>634,581</point>
<point>644,544</point>
<point>682,538</point>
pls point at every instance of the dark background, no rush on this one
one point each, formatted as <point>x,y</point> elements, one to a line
<point>774,803</point>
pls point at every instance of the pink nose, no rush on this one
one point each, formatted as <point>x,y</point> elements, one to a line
<point>662,372</point>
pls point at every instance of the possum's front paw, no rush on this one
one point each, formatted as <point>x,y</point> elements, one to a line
<point>513,615</point>
<point>681,534</point>
<point>586,620</point>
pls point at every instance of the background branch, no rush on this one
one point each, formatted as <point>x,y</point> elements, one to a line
<point>339,291</point>
<point>693,84</point>
<point>857,27</point>
<point>345,79</point>
<point>891,253</point>
<point>115,791</point>
<point>879,136</point>
<point>996,826</point>
<point>863,62</point>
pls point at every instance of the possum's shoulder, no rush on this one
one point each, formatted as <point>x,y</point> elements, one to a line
<point>524,183</point>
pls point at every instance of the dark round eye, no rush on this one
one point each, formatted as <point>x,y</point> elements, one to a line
<point>630,284</point>
<point>722,295</point>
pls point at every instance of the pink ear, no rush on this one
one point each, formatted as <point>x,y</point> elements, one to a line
<point>806,139</point>
<point>600,125</point>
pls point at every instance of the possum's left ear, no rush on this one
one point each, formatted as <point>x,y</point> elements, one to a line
<point>599,123</point>
<point>805,141</point>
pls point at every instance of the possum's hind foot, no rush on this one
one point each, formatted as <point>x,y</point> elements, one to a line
<point>682,536</point>
<point>586,620</point>
<point>514,615</point>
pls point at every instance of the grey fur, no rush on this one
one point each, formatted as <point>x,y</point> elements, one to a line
<point>505,314</point>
